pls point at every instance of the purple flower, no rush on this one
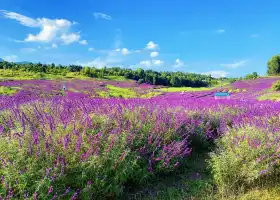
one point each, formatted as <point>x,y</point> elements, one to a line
<point>35,196</point>
<point>50,189</point>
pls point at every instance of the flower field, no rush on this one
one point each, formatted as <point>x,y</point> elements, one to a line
<point>75,144</point>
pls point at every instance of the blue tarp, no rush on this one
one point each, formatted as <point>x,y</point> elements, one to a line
<point>222,94</point>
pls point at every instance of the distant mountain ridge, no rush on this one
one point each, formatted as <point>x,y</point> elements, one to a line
<point>21,62</point>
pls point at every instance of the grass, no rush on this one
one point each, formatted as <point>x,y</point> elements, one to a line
<point>261,194</point>
<point>150,94</point>
<point>187,89</point>
<point>270,96</point>
<point>113,91</point>
<point>25,75</point>
<point>116,78</point>
<point>8,90</point>
<point>179,185</point>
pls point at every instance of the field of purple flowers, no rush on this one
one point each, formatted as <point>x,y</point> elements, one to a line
<point>80,146</point>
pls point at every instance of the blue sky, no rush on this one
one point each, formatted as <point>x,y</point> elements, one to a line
<point>223,38</point>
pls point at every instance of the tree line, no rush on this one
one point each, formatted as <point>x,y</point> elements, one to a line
<point>174,79</point>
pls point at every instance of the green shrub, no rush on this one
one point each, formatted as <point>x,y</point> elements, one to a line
<point>140,81</point>
<point>276,86</point>
<point>245,158</point>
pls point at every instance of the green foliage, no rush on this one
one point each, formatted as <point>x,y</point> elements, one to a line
<point>270,96</point>
<point>40,71</point>
<point>238,166</point>
<point>8,90</point>
<point>181,89</point>
<point>276,86</point>
<point>114,91</point>
<point>274,65</point>
<point>254,75</point>
<point>261,194</point>
<point>150,94</point>
<point>116,78</point>
<point>140,81</point>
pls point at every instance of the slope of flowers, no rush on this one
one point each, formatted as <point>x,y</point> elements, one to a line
<point>79,146</point>
<point>75,146</point>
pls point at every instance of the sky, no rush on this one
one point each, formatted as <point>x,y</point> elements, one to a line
<point>217,37</point>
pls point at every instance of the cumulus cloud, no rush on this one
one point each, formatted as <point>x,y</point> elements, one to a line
<point>151,45</point>
<point>217,73</point>
<point>125,51</point>
<point>149,63</point>
<point>11,58</point>
<point>154,54</point>
<point>83,42</point>
<point>102,16</point>
<point>70,38</point>
<point>157,62</point>
<point>178,63</point>
<point>146,63</point>
<point>51,29</point>
<point>101,62</point>
<point>234,65</point>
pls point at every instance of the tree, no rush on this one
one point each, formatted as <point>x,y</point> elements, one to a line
<point>140,81</point>
<point>274,65</point>
<point>140,73</point>
<point>255,75</point>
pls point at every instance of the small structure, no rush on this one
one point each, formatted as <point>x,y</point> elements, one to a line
<point>64,87</point>
<point>222,95</point>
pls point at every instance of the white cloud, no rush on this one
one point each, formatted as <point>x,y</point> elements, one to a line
<point>220,31</point>
<point>51,29</point>
<point>83,42</point>
<point>100,63</point>
<point>178,63</point>
<point>102,16</point>
<point>151,45</point>
<point>149,63</point>
<point>54,46</point>
<point>217,73</point>
<point>26,21</point>
<point>157,62</point>
<point>118,50</point>
<point>146,63</point>
<point>11,58</point>
<point>70,38</point>
<point>90,49</point>
<point>154,54</point>
<point>234,65</point>
<point>125,51</point>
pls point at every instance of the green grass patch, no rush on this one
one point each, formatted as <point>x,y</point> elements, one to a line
<point>270,96</point>
<point>113,91</point>
<point>8,90</point>
<point>187,89</point>
<point>25,75</point>
<point>150,94</point>
<point>116,78</point>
